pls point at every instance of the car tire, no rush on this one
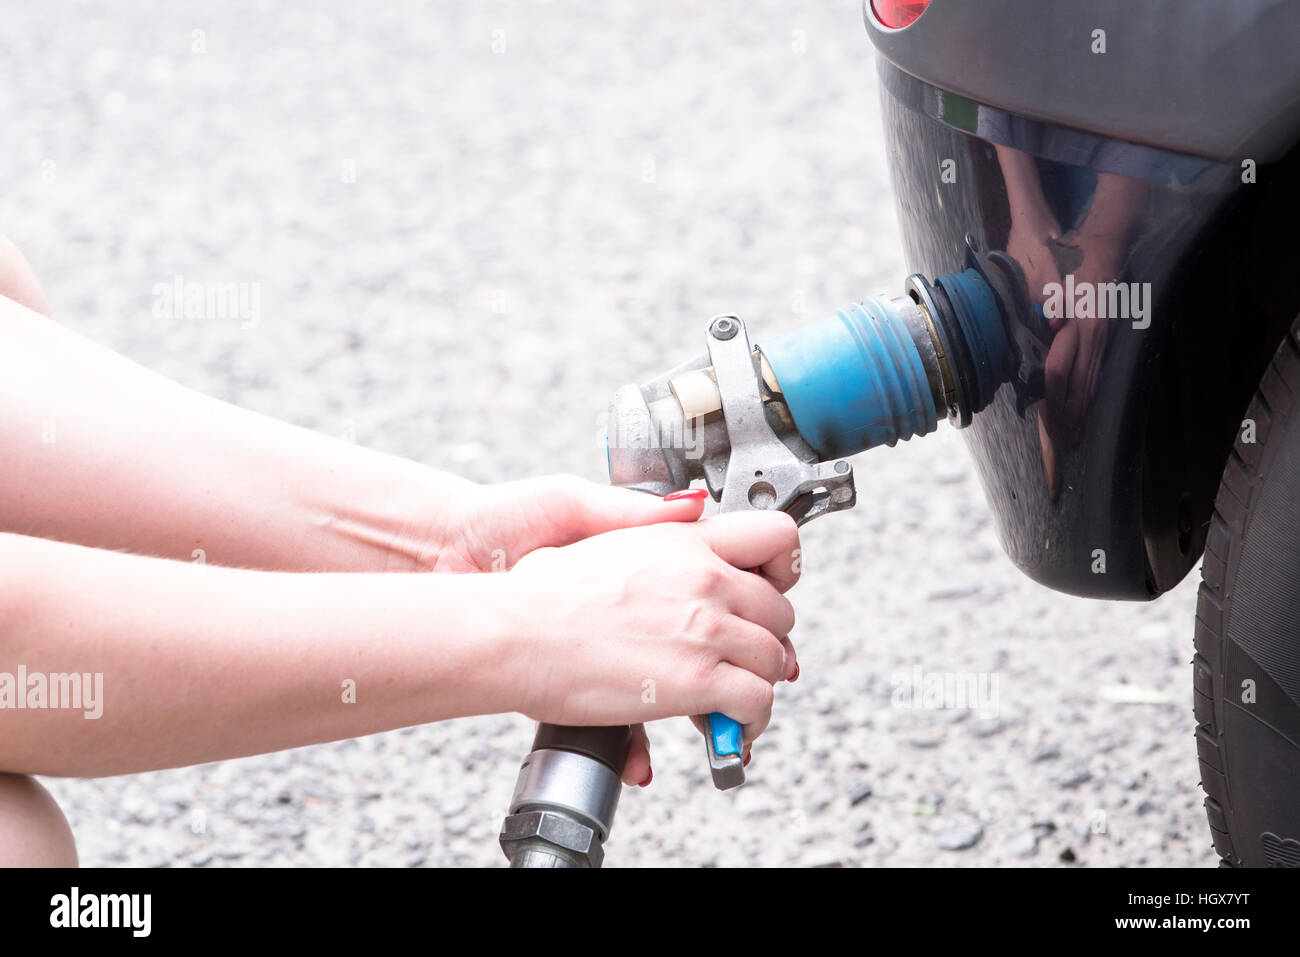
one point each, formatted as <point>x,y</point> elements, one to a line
<point>1246,671</point>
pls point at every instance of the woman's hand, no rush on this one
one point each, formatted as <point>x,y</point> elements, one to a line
<point>646,623</point>
<point>488,528</point>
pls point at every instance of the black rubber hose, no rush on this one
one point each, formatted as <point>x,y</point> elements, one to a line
<point>607,744</point>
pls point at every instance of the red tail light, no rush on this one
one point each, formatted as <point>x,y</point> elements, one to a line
<point>897,14</point>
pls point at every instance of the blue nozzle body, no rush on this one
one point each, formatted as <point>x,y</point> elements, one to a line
<point>854,380</point>
<point>887,369</point>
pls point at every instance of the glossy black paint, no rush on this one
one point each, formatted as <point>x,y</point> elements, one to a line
<point>1212,78</point>
<point>1124,452</point>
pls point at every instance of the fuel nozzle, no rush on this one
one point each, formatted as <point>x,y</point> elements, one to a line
<point>771,427</point>
<point>883,370</point>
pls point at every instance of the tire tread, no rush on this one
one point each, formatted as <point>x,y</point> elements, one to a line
<point>1242,473</point>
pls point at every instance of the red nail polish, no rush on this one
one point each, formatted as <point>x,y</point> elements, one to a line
<point>649,776</point>
<point>795,676</point>
<point>745,763</point>
<point>694,494</point>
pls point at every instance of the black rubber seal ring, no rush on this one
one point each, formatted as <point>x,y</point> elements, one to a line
<point>608,745</point>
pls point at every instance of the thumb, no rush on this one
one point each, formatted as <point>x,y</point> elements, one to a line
<point>605,508</point>
<point>565,509</point>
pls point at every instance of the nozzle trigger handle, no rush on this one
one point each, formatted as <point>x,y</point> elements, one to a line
<point>723,740</point>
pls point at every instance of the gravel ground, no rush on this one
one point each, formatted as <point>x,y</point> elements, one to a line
<point>465,219</point>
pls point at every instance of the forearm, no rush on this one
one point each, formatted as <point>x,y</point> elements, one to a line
<point>102,452</point>
<point>200,663</point>
<point>1025,199</point>
<point>1116,205</point>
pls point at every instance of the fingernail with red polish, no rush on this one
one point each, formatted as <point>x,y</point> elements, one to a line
<point>745,763</point>
<point>649,776</point>
<point>795,676</point>
<point>694,494</point>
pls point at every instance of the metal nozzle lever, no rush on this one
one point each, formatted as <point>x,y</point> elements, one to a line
<point>761,473</point>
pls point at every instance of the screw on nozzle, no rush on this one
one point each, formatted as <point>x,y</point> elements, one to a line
<point>724,328</point>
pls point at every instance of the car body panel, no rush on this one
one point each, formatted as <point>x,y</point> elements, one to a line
<point>1103,486</point>
<point>1210,78</point>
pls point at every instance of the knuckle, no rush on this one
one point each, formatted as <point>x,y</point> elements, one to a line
<point>702,620</point>
<point>557,484</point>
<point>761,652</point>
<point>562,497</point>
<point>775,654</point>
<point>758,697</point>
<point>788,616</point>
<point>781,524</point>
<point>767,654</point>
<point>700,673</point>
<point>711,579</point>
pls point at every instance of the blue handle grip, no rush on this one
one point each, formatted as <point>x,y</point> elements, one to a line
<point>723,740</point>
<point>727,737</point>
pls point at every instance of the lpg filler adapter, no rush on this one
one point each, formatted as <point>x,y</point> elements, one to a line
<point>771,428</point>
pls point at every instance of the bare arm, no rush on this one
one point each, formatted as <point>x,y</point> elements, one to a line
<point>99,451</point>
<point>102,452</point>
<point>200,663</point>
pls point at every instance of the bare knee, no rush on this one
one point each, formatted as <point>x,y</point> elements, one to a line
<point>33,830</point>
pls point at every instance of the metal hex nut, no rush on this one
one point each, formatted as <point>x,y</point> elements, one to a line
<point>554,832</point>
